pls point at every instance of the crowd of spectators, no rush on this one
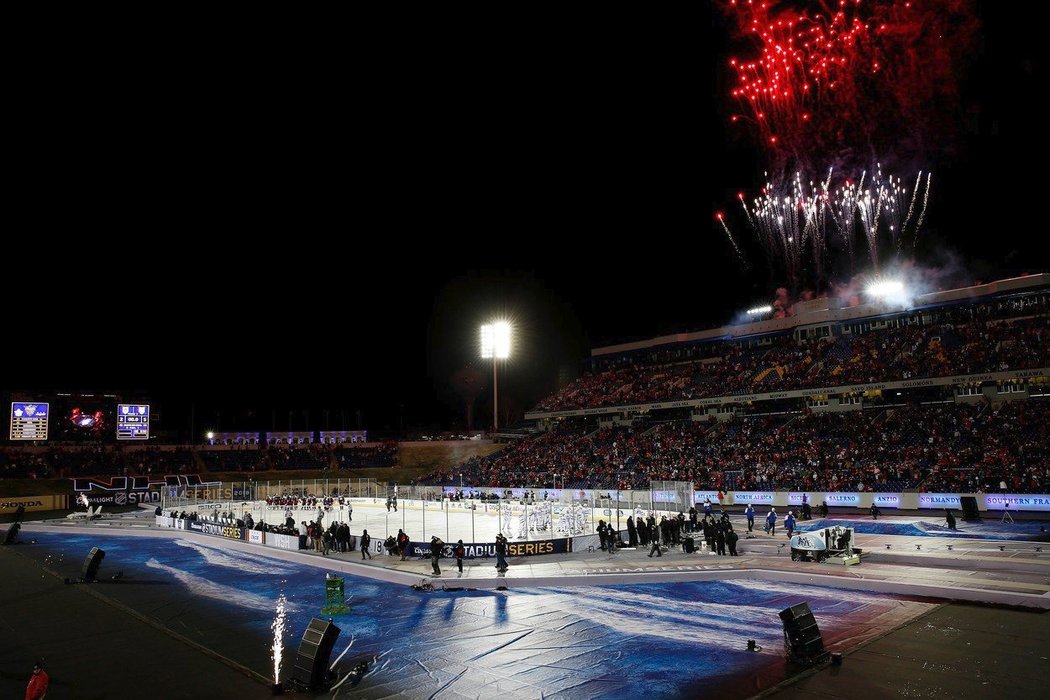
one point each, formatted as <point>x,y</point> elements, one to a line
<point>154,460</point>
<point>892,450</point>
<point>942,349</point>
<point>383,454</point>
<point>16,463</point>
<point>948,447</point>
<point>248,458</point>
<point>66,462</point>
<point>117,460</point>
<point>1005,308</point>
<point>314,456</point>
<point>1011,445</point>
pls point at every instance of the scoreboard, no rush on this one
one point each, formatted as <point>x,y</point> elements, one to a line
<point>132,421</point>
<point>29,420</point>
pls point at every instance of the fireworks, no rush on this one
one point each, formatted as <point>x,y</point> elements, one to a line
<point>830,77</point>
<point>879,204</point>
<point>833,82</point>
<point>278,637</point>
<point>792,219</point>
<point>804,60</point>
<point>721,219</point>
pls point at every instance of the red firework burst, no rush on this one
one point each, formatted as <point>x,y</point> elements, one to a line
<point>833,78</point>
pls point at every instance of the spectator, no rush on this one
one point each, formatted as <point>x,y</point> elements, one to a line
<point>435,553</point>
<point>38,682</point>
<point>460,552</point>
<point>501,553</point>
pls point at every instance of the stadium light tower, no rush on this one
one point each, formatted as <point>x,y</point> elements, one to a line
<point>495,344</point>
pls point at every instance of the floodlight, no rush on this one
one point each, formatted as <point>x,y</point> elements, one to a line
<point>885,288</point>
<point>495,340</point>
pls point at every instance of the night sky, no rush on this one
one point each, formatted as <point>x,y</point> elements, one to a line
<point>315,240</point>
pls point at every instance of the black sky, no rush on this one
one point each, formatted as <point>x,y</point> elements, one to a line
<point>271,236</point>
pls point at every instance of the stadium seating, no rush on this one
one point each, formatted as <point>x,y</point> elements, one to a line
<point>947,348</point>
<point>944,447</point>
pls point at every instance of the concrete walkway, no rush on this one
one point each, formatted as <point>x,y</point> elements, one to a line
<point>955,651</point>
<point>94,647</point>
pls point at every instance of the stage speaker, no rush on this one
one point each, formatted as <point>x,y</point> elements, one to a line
<point>801,634</point>
<point>12,533</point>
<point>969,508</point>
<point>311,663</point>
<point>94,558</point>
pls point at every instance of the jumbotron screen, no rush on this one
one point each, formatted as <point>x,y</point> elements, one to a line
<point>132,421</point>
<point>29,420</point>
<point>82,418</point>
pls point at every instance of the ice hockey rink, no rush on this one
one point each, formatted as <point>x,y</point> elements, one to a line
<point>467,520</point>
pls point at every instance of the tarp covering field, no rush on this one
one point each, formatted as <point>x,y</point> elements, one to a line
<point>673,639</point>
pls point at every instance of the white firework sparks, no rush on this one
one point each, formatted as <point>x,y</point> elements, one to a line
<point>278,637</point>
<point>791,219</point>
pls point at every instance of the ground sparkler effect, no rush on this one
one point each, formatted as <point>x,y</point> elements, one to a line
<point>278,628</point>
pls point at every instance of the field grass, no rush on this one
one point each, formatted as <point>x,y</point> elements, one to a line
<point>427,457</point>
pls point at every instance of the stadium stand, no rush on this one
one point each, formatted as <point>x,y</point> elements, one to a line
<point>911,354</point>
<point>240,459</point>
<point>945,447</point>
<point>383,454</point>
<point>950,438</point>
